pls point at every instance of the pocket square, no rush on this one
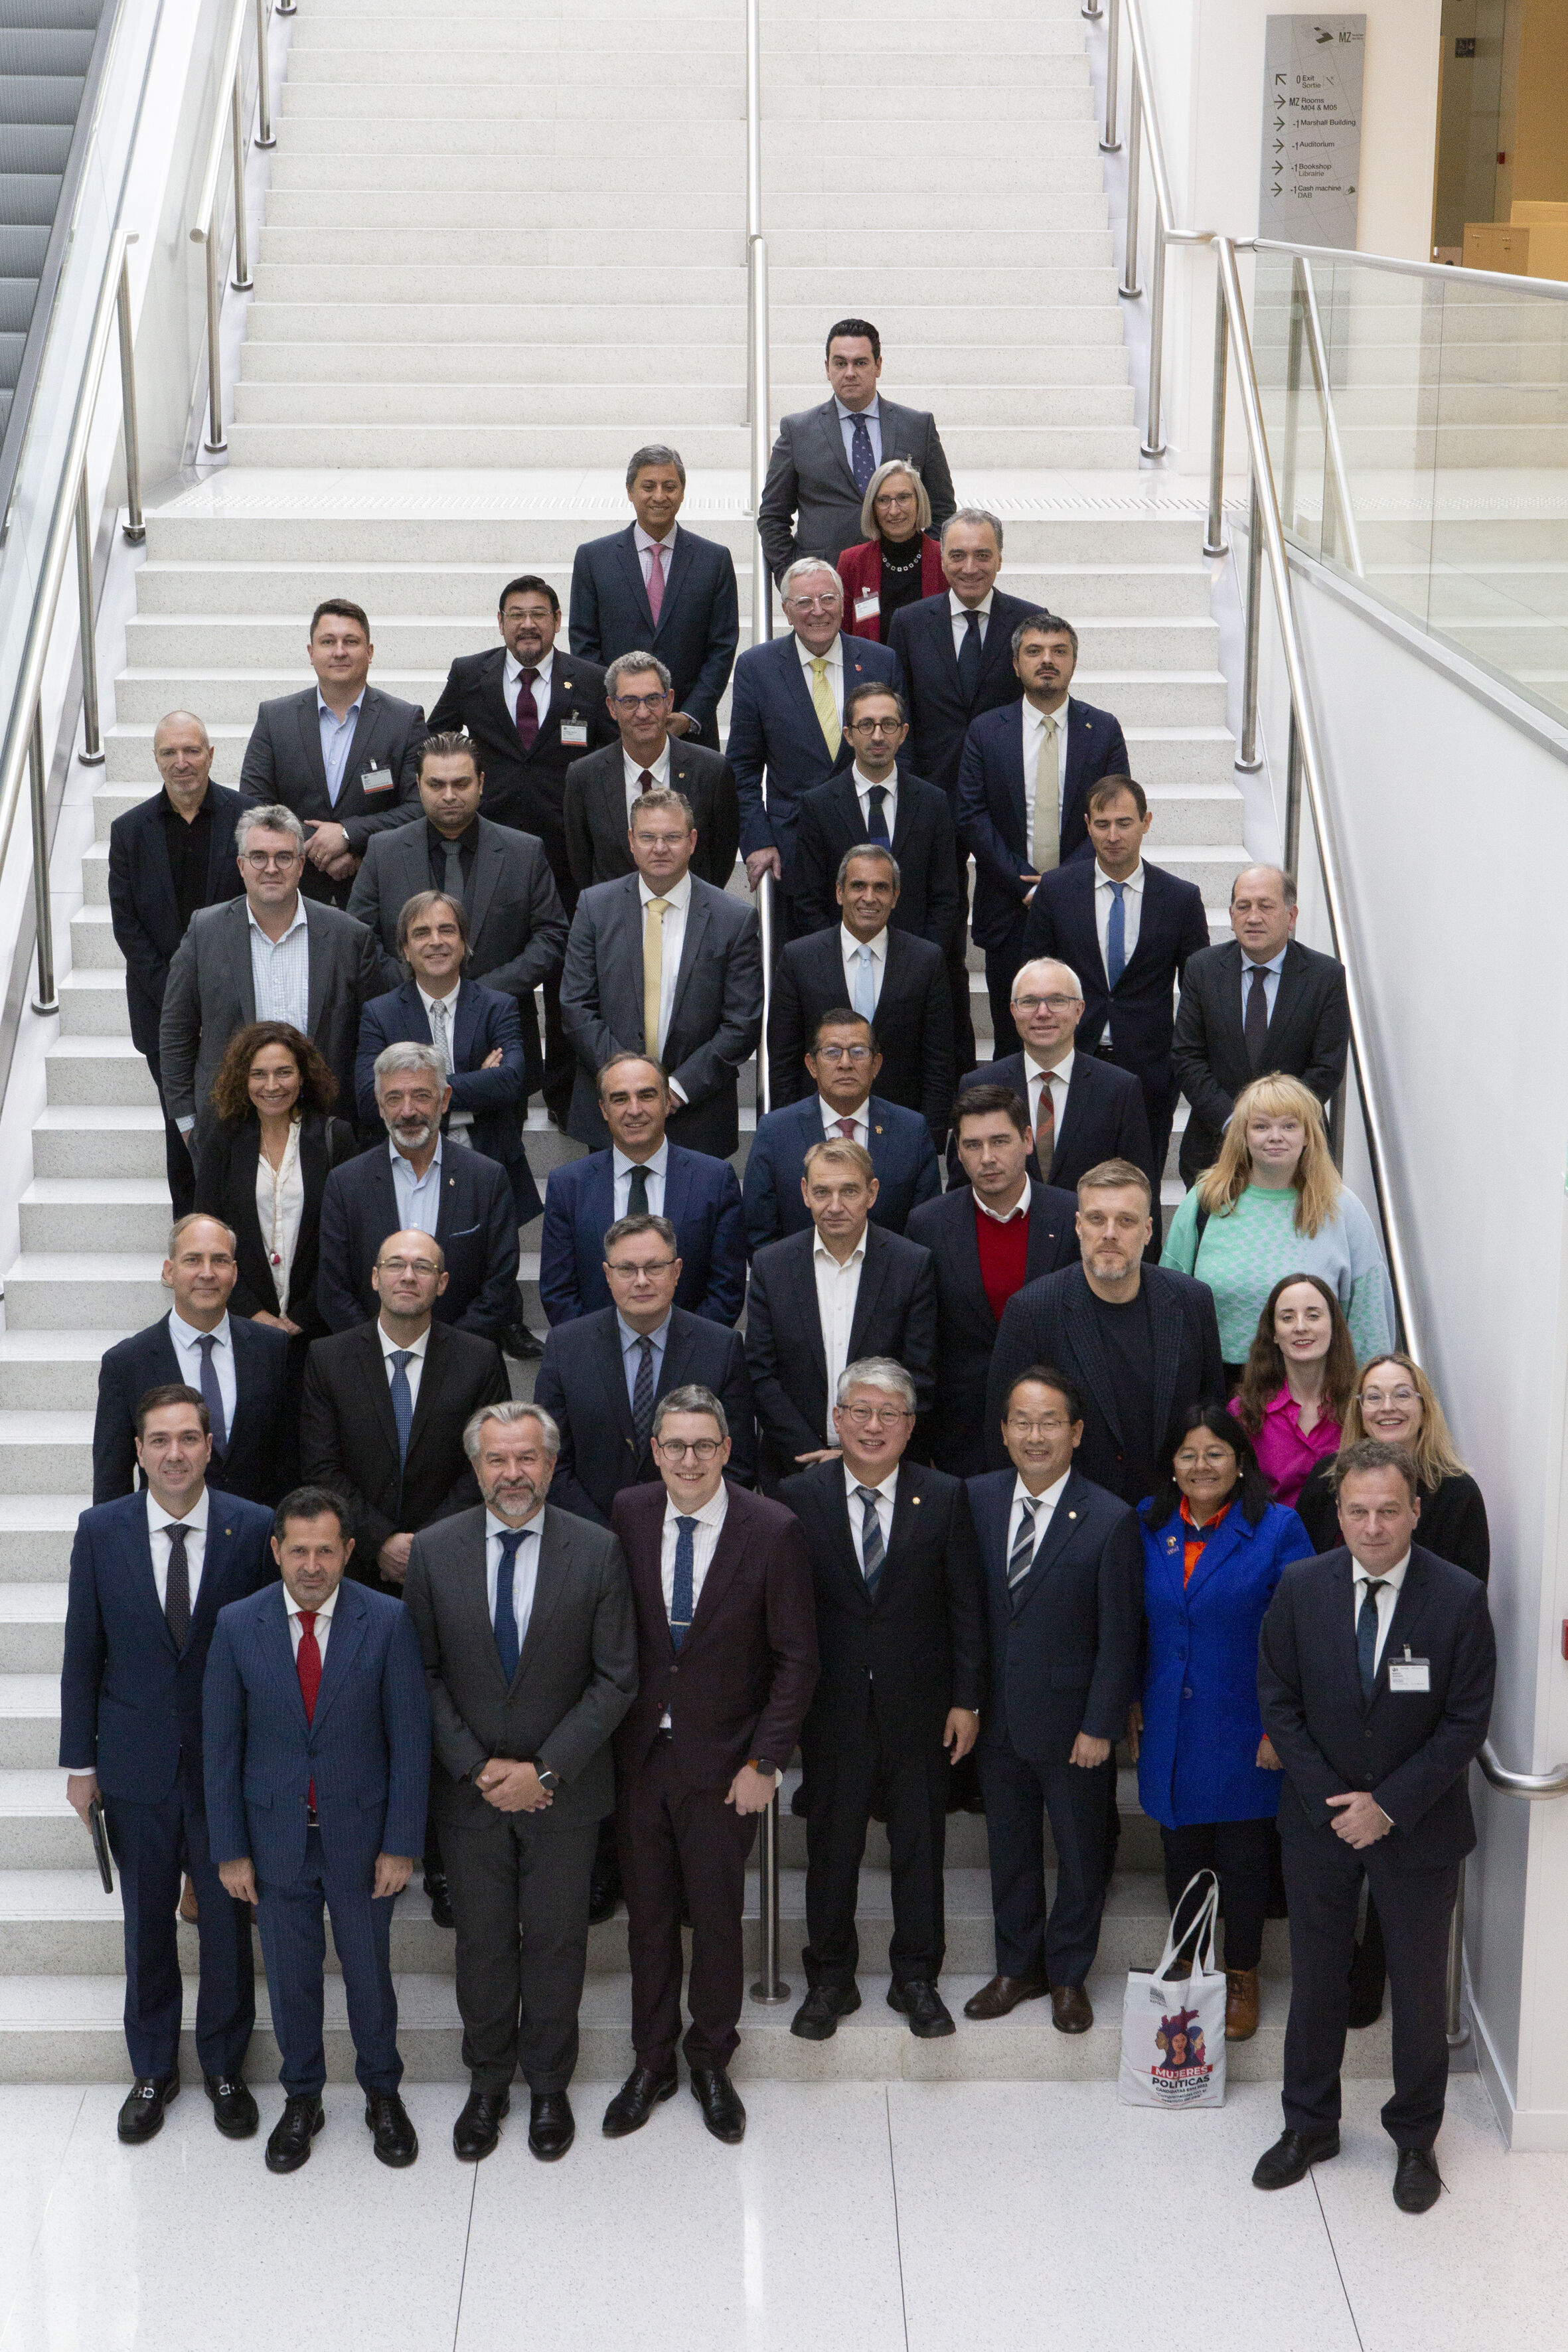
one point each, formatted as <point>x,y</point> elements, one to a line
<point>463,1236</point>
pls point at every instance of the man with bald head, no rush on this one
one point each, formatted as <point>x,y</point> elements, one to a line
<point>1081,1110</point>
<point>166,857</point>
<point>1260,1005</point>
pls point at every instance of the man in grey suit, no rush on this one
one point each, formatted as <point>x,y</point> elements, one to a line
<point>525,1619</point>
<point>662,964</point>
<point>270,956</point>
<point>517,925</point>
<point>823,457</point>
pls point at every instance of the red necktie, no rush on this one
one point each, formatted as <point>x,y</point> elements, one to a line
<point>309,1662</point>
<point>527,710</point>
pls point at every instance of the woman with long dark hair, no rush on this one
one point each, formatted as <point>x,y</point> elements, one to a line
<point>1297,1382</point>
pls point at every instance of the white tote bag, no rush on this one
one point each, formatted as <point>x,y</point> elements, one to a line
<point>1172,2029</point>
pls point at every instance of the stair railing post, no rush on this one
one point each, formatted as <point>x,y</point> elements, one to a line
<point>45,1001</point>
<point>770,1986</point>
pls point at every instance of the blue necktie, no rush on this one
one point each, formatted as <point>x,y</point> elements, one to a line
<point>862,463</point>
<point>865,986</point>
<point>1366,1641</point>
<point>1116,936</point>
<point>680,1602</point>
<point>505,1600</point>
<point>212,1395</point>
<point>876,822</point>
<point>401,1400</point>
<point>873,1557</point>
<point>969,660</point>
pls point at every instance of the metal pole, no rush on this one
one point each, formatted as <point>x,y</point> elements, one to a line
<point>1293,799</point>
<point>1091,10</point>
<point>1153,445</point>
<point>243,280</point>
<point>770,1986</point>
<point>216,439</point>
<point>92,752</point>
<point>1459,2032</point>
<point>135,530</point>
<point>1129,286</point>
<point>1110,145</point>
<point>753,120</point>
<point>1318,352</point>
<point>761,578</point>
<point>265,136</point>
<point>286,7</point>
<point>1215,540</point>
<point>1248,762</point>
<point>45,1001</point>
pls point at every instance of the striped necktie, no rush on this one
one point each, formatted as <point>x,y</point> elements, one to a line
<point>1021,1558</point>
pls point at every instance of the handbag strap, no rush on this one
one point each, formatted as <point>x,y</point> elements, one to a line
<point>1201,1924</point>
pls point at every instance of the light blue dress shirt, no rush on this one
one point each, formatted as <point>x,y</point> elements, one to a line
<point>336,736</point>
<point>631,1351</point>
<point>1270,986</point>
<point>186,1342</point>
<point>418,1197</point>
<point>873,416</point>
<point>281,971</point>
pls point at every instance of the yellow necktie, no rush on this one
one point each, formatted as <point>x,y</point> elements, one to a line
<point>652,973</point>
<point>1048,803</point>
<point>825,708</point>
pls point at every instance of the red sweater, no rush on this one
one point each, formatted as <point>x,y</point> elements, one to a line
<point>1004,1256</point>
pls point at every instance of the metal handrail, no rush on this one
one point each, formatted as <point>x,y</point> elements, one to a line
<point>1503,279</point>
<point>228,132</point>
<point>1143,132</point>
<point>1531,1785</point>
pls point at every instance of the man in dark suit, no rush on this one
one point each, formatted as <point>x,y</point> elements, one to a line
<point>1081,1110</point>
<point>273,955</point>
<point>657,584</point>
<point>888,976</point>
<point>603,788</point>
<point>517,924</point>
<point>642,1173</point>
<point>661,963</point>
<point>341,755</point>
<point>825,456</point>
<point>786,721</point>
<point>1375,1672</point>
<point>874,799</point>
<point>987,1238</point>
<point>526,743</point>
<point>823,1298</point>
<point>524,1616</point>
<point>1137,1343</point>
<point>605,1373</point>
<point>956,649</point>
<point>238,1369</point>
<point>149,1574</point>
<point>1023,787</point>
<point>167,857</point>
<point>1064,1583</point>
<point>900,1628</point>
<point>316,1743</point>
<point>1260,1003</point>
<point>1127,929</point>
<point>722,1586</point>
<point>842,1062</point>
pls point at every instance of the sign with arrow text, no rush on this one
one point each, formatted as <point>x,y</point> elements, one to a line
<point>1308,188</point>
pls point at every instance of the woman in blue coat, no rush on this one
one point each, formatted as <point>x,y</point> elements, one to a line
<point>1213,1549</point>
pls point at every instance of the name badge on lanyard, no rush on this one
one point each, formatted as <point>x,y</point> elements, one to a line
<point>1408,1674</point>
<point>868,604</point>
<point>575,733</point>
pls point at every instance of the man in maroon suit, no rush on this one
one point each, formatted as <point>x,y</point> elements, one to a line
<point>726,1667</point>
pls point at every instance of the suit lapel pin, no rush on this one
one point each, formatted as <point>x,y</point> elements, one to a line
<point>916,1501</point>
<point>1072,1515</point>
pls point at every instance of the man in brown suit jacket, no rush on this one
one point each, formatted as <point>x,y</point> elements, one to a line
<point>726,1666</point>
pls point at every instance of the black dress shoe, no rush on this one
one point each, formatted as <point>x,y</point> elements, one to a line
<point>386,2117</point>
<point>521,1343</point>
<point>816,2019</point>
<point>477,2128</point>
<point>1417,2183</point>
<point>552,2127</point>
<point>604,1896</point>
<point>234,2109</point>
<point>290,2146</point>
<point>1292,2157</point>
<point>919,1999</point>
<point>720,2101</point>
<point>636,2100</point>
<point>142,2117</point>
<point>797,1801</point>
<point>440,1894</point>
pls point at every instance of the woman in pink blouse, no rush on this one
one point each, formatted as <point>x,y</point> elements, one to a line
<point>1298,1381</point>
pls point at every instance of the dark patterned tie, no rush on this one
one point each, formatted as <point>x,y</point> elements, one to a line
<point>681,1600</point>
<point>508,1648</point>
<point>527,710</point>
<point>1366,1637</point>
<point>876,821</point>
<point>1021,1558</point>
<point>177,1592</point>
<point>862,460</point>
<point>873,1557</point>
<point>212,1395</point>
<point>1254,1024</point>
<point>637,1193</point>
<point>402,1401</point>
<point>969,660</point>
<point>642,1395</point>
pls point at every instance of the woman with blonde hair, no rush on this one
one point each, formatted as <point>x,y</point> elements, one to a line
<point>1273,1205</point>
<point>1395,1399</point>
<point>899,561</point>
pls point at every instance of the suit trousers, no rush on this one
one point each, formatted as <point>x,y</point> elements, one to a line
<point>1000,966</point>
<point>177,1160</point>
<point>849,1767</point>
<point>560,1059</point>
<point>518,1884</point>
<point>1240,1854</point>
<point>291,1915</point>
<point>1018,1797</point>
<point>152,1845</point>
<point>1322,1879</point>
<point>1160,1110</point>
<point>673,1838</point>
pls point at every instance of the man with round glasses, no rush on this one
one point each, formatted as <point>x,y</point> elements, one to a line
<point>1081,1110</point>
<point>843,1064</point>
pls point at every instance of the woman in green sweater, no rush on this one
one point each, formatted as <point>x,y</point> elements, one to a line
<point>1273,1205</point>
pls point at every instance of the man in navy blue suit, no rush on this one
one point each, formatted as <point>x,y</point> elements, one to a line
<point>1064,1588</point>
<point>955,649</point>
<point>1081,1110</point>
<point>641,1173</point>
<point>842,1062</point>
<point>420,1183</point>
<point>240,1369</point>
<point>655,587</point>
<point>316,1738</point>
<point>1022,785</point>
<point>149,1574</point>
<point>1127,929</point>
<point>787,717</point>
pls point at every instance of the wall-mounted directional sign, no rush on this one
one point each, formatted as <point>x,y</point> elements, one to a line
<point>1311,129</point>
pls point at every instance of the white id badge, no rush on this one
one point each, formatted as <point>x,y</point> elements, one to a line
<point>867,605</point>
<point>1408,1674</point>
<point>376,779</point>
<point>574,734</point>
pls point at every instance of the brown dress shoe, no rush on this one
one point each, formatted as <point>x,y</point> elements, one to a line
<point>188,1902</point>
<point>1070,2011</point>
<point>1003,1994</point>
<point>1240,2004</point>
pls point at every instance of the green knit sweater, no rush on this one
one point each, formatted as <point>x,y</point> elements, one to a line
<point>1247,1249</point>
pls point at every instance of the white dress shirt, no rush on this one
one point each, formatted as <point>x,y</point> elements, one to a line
<point>1045,1508</point>
<point>838,1288</point>
<point>864,787</point>
<point>158,1522</point>
<point>323,1624</point>
<point>1033,727</point>
<point>705,1534</point>
<point>280,1211</point>
<point>645,546</point>
<point>188,1354</point>
<point>831,1129</point>
<point>441,1013</point>
<point>885,1494</point>
<point>961,612</point>
<point>659,772</point>
<point>511,682</point>
<point>873,416</point>
<point>655,1169</point>
<point>833,657</point>
<point>418,1197</point>
<point>1020,1207</point>
<point>849,949</point>
<point>524,1572</point>
<point>1386,1591</point>
<point>415,1352</point>
<point>280,971</point>
<point>1059,1079</point>
<point>679,898</point>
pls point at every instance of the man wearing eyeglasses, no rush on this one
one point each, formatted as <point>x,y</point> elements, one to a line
<point>272,955</point>
<point>1081,1110</point>
<point>726,1666</point>
<point>843,1067</point>
<point>604,789</point>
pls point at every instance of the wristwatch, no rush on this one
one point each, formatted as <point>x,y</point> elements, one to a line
<point>549,1782</point>
<point>763,1764</point>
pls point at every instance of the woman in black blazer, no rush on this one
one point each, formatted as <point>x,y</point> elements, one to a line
<point>262,1165</point>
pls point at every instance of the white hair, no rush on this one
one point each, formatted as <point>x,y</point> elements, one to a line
<point>877,1373</point>
<point>809,563</point>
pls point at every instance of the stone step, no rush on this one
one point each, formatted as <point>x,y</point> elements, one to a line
<point>29,1730</point>
<point>343,440</point>
<point>93,1215</point>
<point>94,1140</point>
<point>694,224</point>
<point>40,1449</point>
<point>545,286</point>
<point>499,171</point>
<point>536,410</point>
<point>692,320</point>
<point>32,1616</point>
<point>411,52</point>
<point>97,1071</point>
<point>36,1532</point>
<point>946,374</point>
<point>53,1372</point>
<point>119,1289</point>
<point>93,1004</point>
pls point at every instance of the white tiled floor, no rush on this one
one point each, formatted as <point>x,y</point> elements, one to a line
<point>905,2218</point>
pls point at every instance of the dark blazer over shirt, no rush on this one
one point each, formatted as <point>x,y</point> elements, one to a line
<point>698,624</point>
<point>993,796</point>
<point>379,789</point>
<point>487,1022</point>
<point>1105,1118</point>
<point>258,1461</point>
<point>702,1201</point>
<point>142,907</point>
<point>583,1383</point>
<point>773,727</point>
<point>913,1020</point>
<point>829,824</point>
<point>903,1161</point>
<point>811,504</point>
<point>1308,1038</point>
<point>940,711</point>
<point>895,1315</point>
<point>476,1227</point>
<point>226,1160</point>
<point>523,789</point>
<point>596,817</point>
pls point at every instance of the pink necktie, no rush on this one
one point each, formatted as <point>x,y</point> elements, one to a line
<point>656,580</point>
<point>847,1130</point>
